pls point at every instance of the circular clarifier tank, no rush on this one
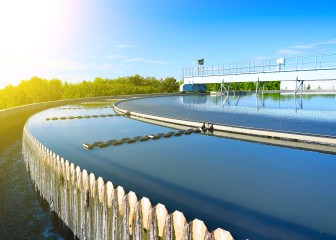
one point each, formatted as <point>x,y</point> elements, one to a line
<point>253,190</point>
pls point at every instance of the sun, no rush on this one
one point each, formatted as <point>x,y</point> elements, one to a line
<point>25,25</point>
<point>32,31</point>
<point>36,26</point>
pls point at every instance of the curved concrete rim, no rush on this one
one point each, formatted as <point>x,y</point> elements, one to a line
<point>317,143</point>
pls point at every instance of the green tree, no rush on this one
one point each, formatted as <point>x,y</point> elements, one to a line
<point>169,85</point>
<point>37,89</point>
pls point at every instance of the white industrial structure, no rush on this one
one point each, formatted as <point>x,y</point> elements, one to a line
<point>317,72</point>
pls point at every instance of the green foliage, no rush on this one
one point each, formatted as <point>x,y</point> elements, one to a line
<point>40,90</point>
<point>245,86</point>
<point>169,85</point>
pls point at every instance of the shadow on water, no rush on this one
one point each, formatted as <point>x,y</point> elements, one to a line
<point>21,215</point>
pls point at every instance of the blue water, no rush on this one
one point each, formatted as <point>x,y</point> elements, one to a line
<point>273,112</point>
<point>254,191</point>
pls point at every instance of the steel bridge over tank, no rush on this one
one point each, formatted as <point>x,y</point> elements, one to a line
<point>298,69</point>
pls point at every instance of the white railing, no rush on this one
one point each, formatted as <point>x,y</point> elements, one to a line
<point>295,63</point>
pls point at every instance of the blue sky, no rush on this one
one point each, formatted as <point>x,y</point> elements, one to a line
<point>83,39</point>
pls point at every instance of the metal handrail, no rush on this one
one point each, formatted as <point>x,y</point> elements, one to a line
<point>292,63</point>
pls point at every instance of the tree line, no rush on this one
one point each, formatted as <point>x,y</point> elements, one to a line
<point>246,86</point>
<point>40,90</point>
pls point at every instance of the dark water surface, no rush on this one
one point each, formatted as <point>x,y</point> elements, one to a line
<point>21,216</point>
<point>254,191</point>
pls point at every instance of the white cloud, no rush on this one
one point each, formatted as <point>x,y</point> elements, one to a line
<point>117,56</point>
<point>125,46</point>
<point>314,45</point>
<point>300,49</point>
<point>307,46</point>
<point>136,59</point>
<point>109,67</point>
<point>147,61</point>
<point>330,42</point>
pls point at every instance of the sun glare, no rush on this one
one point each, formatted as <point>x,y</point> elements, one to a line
<point>25,25</point>
<point>32,30</point>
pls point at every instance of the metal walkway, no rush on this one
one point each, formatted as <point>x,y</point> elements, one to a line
<point>299,68</point>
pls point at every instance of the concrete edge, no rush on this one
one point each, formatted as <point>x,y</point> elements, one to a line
<point>292,140</point>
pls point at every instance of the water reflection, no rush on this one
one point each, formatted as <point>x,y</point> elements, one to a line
<point>277,101</point>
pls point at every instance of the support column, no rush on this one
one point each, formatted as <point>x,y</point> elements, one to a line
<point>257,86</point>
